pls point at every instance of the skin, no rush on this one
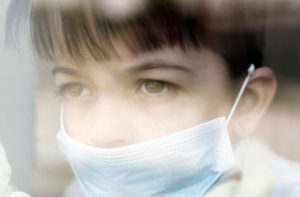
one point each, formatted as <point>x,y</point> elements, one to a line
<point>133,99</point>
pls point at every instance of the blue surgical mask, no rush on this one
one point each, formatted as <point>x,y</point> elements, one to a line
<point>183,164</point>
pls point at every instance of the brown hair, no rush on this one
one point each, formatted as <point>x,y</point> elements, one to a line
<point>80,31</point>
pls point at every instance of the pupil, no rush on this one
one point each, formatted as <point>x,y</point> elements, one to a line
<point>75,90</point>
<point>154,86</point>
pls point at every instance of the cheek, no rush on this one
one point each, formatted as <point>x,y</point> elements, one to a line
<point>183,112</point>
<point>216,103</point>
<point>76,120</point>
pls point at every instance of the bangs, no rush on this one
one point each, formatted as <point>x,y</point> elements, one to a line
<point>82,33</point>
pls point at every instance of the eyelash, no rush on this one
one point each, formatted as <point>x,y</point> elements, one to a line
<point>171,85</point>
<point>60,90</point>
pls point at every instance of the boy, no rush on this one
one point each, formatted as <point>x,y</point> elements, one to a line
<point>142,87</point>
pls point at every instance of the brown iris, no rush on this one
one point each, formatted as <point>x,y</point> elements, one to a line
<point>154,87</point>
<point>75,90</point>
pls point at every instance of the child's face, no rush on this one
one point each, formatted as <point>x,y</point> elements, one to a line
<point>138,98</point>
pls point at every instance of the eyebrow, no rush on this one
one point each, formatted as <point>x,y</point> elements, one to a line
<point>65,70</point>
<point>160,65</point>
<point>140,68</point>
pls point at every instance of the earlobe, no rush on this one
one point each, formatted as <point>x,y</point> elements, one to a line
<point>254,103</point>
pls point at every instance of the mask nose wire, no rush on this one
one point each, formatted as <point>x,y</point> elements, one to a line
<point>251,71</point>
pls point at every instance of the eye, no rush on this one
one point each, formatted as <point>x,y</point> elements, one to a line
<point>156,87</point>
<point>74,90</point>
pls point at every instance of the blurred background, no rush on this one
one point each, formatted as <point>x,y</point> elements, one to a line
<point>30,111</point>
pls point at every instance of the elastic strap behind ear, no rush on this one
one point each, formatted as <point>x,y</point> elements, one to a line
<point>61,117</point>
<point>251,71</point>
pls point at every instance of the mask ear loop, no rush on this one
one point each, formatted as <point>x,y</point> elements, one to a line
<point>61,118</point>
<point>251,71</point>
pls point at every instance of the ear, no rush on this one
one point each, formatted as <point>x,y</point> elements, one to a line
<point>254,103</point>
